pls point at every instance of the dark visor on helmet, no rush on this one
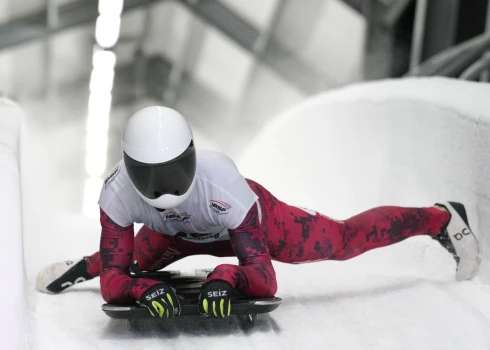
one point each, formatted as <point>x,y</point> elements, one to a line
<point>173,177</point>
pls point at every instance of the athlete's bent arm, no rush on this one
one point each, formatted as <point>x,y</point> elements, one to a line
<point>255,276</point>
<point>116,251</point>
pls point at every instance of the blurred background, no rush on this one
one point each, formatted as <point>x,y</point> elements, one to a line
<point>80,68</point>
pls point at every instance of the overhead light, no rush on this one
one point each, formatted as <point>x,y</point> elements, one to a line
<point>107,30</point>
<point>95,160</point>
<point>100,103</point>
<point>101,80</point>
<point>97,125</point>
<point>111,7</point>
<point>104,59</point>
<point>90,196</point>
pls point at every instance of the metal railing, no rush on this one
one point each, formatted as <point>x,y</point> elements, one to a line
<point>469,60</point>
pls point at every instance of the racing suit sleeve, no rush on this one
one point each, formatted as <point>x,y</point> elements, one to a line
<point>116,251</point>
<point>255,275</point>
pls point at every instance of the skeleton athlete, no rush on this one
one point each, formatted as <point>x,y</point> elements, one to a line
<point>197,202</point>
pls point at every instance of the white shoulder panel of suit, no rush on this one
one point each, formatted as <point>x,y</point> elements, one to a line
<point>220,200</point>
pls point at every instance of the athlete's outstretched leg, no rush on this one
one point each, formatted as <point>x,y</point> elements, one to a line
<point>383,226</point>
<point>312,236</point>
<point>296,235</point>
<point>318,237</point>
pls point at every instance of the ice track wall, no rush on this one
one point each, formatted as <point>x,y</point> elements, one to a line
<point>400,142</point>
<point>11,259</point>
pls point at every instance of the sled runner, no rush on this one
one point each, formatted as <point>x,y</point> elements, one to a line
<point>187,284</point>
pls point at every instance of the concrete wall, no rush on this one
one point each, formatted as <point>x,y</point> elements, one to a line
<point>401,142</point>
<point>11,259</point>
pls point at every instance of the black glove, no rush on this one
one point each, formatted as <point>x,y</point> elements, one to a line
<point>215,299</point>
<point>161,300</point>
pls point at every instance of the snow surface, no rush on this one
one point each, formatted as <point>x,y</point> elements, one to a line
<point>409,142</point>
<point>11,259</point>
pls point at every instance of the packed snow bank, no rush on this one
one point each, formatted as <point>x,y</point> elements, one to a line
<point>11,259</point>
<point>402,142</point>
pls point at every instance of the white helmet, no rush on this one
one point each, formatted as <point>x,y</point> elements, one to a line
<point>159,156</point>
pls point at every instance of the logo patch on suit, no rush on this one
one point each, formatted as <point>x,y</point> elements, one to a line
<point>112,176</point>
<point>219,207</point>
<point>172,216</point>
<point>309,211</point>
<point>197,236</point>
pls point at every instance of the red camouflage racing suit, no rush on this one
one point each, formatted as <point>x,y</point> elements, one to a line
<point>281,232</point>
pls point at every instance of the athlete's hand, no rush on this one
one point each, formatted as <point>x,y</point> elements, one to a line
<point>215,299</point>
<point>161,300</point>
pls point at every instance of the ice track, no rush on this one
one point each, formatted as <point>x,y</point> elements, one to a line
<point>404,143</point>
